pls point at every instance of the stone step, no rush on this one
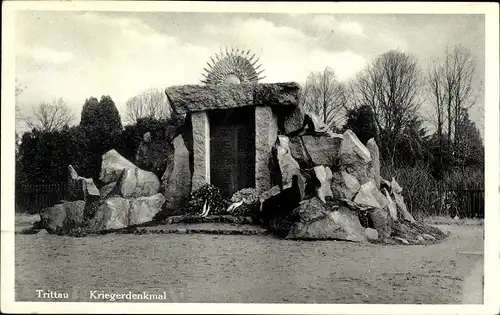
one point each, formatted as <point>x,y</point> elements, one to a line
<point>199,228</point>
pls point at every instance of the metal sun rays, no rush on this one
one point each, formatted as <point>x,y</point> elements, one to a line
<point>234,63</point>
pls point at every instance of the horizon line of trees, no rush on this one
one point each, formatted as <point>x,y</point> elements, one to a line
<point>387,97</point>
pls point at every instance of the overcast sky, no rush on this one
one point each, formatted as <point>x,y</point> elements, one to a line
<point>75,55</point>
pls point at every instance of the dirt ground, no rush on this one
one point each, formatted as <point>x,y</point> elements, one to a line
<point>200,268</point>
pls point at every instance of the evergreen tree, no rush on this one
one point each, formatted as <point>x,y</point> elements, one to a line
<point>101,126</point>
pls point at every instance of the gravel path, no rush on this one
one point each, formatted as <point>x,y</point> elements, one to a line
<point>245,268</point>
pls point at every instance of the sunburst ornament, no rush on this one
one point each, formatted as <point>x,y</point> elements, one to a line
<point>233,67</point>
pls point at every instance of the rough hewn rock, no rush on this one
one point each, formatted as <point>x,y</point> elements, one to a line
<point>113,213</point>
<point>351,205</point>
<point>372,146</point>
<point>385,184</point>
<point>176,181</point>
<point>63,216</point>
<point>428,237</point>
<point>391,206</point>
<point>137,183</point>
<point>323,150</point>
<point>75,190</point>
<point>395,187</point>
<point>369,195</point>
<point>287,165</point>
<point>144,209</point>
<point>294,121</point>
<point>355,157</point>
<point>344,185</point>
<point>314,221</point>
<point>90,191</point>
<point>153,155</point>
<point>201,147</point>
<point>402,240</point>
<point>324,176</point>
<point>193,98</point>
<point>81,188</point>
<point>107,190</point>
<point>402,210</point>
<point>276,94</point>
<point>266,133</point>
<point>382,222</point>
<point>298,152</point>
<point>314,124</point>
<point>72,174</point>
<point>112,166</point>
<point>371,234</point>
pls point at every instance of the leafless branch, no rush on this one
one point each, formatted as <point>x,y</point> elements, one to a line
<point>49,116</point>
<point>151,103</point>
<point>325,96</point>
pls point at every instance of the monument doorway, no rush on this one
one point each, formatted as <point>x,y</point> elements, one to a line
<point>232,149</point>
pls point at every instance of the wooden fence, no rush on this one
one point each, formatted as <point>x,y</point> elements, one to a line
<point>466,202</point>
<point>33,198</point>
<point>459,200</point>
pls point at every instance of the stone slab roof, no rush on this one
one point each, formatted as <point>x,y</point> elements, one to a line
<point>194,98</point>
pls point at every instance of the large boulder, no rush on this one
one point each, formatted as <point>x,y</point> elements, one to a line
<point>118,213</point>
<point>176,181</point>
<point>312,220</point>
<point>344,185</point>
<point>112,166</point>
<point>288,166</point>
<point>323,150</point>
<point>152,154</point>
<point>194,98</point>
<point>112,213</point>
<point>137,183</point>
<point>294,122</point>
<point>144,209</point>
<point>324,176</point>
<point>369,195</point>
<point>63,216</point>
<point>372,146</point>
<point>355,157</point>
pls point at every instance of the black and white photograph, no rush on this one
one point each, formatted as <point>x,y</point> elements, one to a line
<point>250,158</point>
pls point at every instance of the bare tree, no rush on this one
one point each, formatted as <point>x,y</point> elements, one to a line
<point>50,116</point>
<point>151,103</point>
<point>325,96</point>
<point>451,82</point>
<point>391,85</point>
